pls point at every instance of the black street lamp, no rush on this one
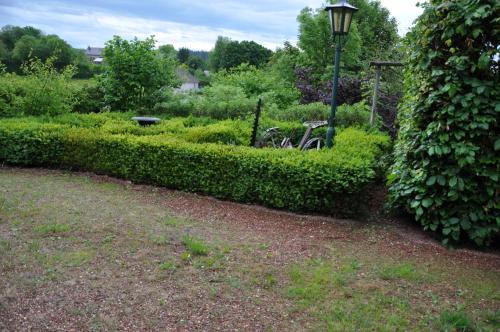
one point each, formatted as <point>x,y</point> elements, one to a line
<point>340,20</point>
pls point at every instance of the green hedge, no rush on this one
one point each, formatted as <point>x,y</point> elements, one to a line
<point>321,181</point>
<point>447,158</point>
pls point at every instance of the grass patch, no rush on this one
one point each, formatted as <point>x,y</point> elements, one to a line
<point>492,319</point>
<point>406,271</point>
<point>340,300</point>
<point>167,266</point>
<point>52,228</point>
<point>160,240</point>
<point>77,258</point>
<point>195,246</point>
<point>135,241</point>
<point>5,245</point>
<point>171,221</point>
<point>455,320</point>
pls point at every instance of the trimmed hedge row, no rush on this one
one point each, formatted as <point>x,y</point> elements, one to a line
<point>321,181</point>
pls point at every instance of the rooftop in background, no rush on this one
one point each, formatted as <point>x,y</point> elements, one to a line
<point>94,54</point>
<point>94,51</point>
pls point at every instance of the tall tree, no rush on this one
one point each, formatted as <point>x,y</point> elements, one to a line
<point>134,74</point>
<point>315,39</point>
<point>373,36</point>
<point>378,30</point>
<point>217,55</point>
<point>228,54</point>
<point>183,55</point>
<point>10,34</point>
<point>285,61</point>
<point>195,62</point>
<point>168,51</point>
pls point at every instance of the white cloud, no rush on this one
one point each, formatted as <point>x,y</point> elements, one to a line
<point>266,22</point>
<point>91,27</point>
<point>405,12</point>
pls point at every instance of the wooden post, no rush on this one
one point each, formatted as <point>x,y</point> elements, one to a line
<point>256,123</point>
<point>375,96</point>
<point>379,65</point>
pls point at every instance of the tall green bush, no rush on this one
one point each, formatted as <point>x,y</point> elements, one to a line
<point>447,159</point>
<point>42,91</point>
<point>225,102</point>
<point>134,74</point>
<point>257,82</point>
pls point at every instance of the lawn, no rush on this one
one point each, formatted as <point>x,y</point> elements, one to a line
<point>86,252</point>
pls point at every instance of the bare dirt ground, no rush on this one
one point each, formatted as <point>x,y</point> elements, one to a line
<point>85,252</point>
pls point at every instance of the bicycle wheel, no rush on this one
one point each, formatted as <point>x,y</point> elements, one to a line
<point>314,143</point>
<point>271,138</point>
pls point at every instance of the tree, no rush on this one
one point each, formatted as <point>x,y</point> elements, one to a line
<point>373,36</point>
<point>43,47</point>
<point>24,49</point>
<point>134,74</point>
<point>285,61</point>
<point>447,155</point>
<point>19,45</point>
<point>9,34</point>
<point>218,54</point>
<point>194,63</point>
<point>168,51</point>
<point>4,53</point>
<point>315,39</point>
<point>228,53</point>
<point>378,31</point>
<point>183,55</point>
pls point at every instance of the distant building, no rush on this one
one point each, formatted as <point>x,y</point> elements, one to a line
<point>94,54</point>
<point>189,82</point>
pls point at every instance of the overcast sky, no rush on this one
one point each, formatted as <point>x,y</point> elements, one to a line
<point>194,24</point>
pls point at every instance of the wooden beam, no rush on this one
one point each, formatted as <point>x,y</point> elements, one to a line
<point>386,64</point>
<point>375,96</point>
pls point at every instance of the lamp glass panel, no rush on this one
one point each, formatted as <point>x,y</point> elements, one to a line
<point>347,21</point>
<point>337,21</point>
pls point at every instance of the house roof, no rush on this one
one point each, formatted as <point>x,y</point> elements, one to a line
<point>94,51</point>
<point>185,76</point>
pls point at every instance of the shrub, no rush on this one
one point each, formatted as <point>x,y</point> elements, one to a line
<point>259,83</point>
<point>357,115</point>
<point>350,88</point>
<point>174,105</point>
<point>226,132</point>
<point>328,181</point>
<point>225,102</point>
<point>134,74</point>
<point>302,113</point>
<point>43,90</point>
<point>447,156</point>
<point>89,98</point>
<point>195,246</point>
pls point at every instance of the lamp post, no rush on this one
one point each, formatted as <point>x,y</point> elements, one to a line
<point>340,20</point>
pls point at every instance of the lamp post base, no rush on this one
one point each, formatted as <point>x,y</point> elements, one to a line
<point>330,133</point>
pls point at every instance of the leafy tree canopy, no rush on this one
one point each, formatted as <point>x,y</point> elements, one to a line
<point>183,55</point>
<point>134,74</point>
<point>373,35</point>
<point>228,53</point>
<point>19,45</point>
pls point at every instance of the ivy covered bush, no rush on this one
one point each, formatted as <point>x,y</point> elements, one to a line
<point>447,158</point>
